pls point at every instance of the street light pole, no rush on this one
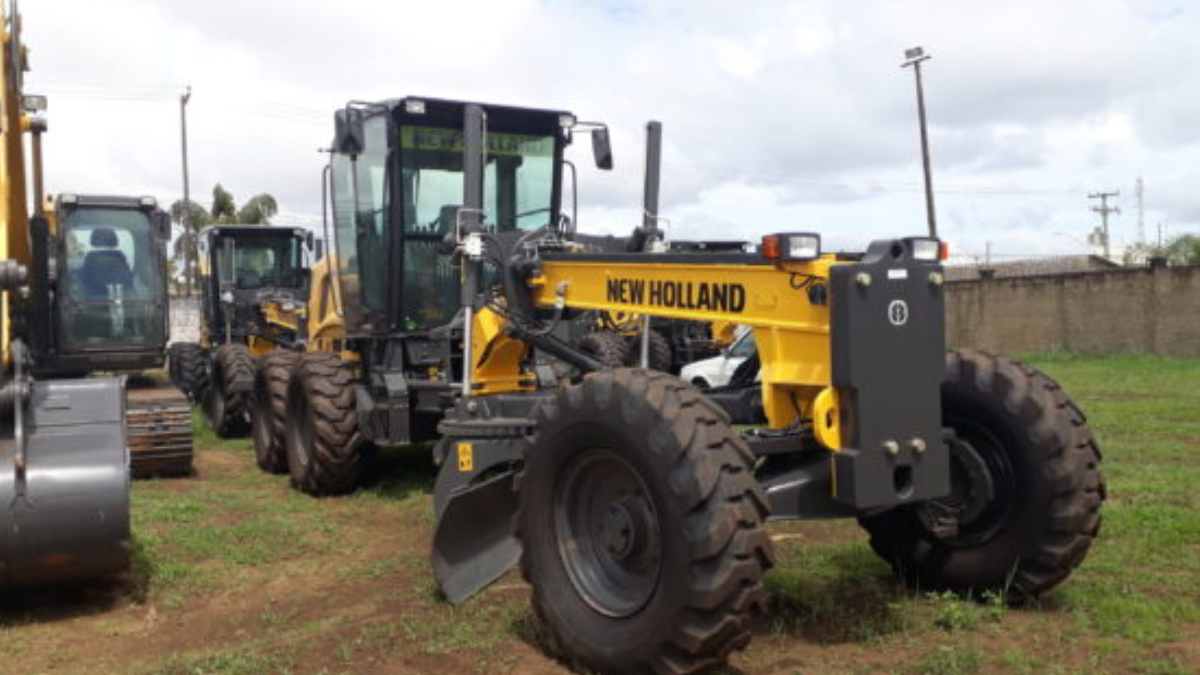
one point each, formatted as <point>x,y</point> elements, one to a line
<point>189,254</point>
<point>914,57</point>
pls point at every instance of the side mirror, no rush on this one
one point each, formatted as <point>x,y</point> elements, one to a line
<point>162,224</point>
<point>309,239</point>
<point>602,149</point>
<point>349,137</point>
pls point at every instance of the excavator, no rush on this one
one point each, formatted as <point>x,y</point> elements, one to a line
<point>633,504</point>
<point>64,462</point>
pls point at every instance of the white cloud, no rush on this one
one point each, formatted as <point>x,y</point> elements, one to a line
<point>776,113</point>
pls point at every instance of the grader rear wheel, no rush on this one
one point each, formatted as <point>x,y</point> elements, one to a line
<point>1027,487</point>
<point>270,409</point>
<point>227,397</point>
<point>660,353</point>
<point>641,526</point>
<point>324,446</point>
<point>610,349</point>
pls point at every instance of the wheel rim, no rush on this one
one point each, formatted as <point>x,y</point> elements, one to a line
<point>608,533</point>
<point>984,490</point>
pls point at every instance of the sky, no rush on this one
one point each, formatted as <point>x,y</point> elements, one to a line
<point>777,115</point>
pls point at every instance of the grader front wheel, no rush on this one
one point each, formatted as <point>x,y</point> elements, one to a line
<point>227,396</point>
<point>1027,489</point>
<point>641,525</point>
<point>324,446</point>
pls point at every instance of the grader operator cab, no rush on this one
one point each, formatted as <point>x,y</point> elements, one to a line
<point>253,287</point>
<point>636,511</point>
<point>99,304</point>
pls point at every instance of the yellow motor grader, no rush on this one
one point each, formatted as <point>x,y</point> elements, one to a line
<point>635,507</point>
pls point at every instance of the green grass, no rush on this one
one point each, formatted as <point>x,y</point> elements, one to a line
<point>230,539</point>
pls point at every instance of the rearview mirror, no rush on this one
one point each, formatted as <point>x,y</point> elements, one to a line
<point>162,224</point>
<point>602,149</point>
<point>349,138</point>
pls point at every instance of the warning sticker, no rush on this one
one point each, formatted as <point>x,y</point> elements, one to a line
<point>466,457</point>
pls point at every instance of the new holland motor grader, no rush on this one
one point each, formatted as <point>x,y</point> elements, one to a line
<point>253,286</point>
<point>64,465</point>
<point>636,511</point>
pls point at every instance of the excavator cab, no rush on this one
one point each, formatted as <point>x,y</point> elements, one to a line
<point>104,286</point>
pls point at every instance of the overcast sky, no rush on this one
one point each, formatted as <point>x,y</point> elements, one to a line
<point>777,115</point>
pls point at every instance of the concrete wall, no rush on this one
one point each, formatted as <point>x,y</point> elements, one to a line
<point>1148,311</point>
<point>185,319</point>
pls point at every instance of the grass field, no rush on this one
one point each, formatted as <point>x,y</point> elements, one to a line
<point>237,574</point>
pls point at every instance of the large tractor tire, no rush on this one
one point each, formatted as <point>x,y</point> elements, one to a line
<point>610,349</point>
<point>660,356</point>
<point>187,363</point>
<point>641,526</point>
<point>1027,488</point>
<point>270,409</point>
<point>324,446</point>
<point>227,398</point>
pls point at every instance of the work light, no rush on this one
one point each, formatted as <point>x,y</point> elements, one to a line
<point>414,106</point>
<point>926,250</point>
<point>791,246</point>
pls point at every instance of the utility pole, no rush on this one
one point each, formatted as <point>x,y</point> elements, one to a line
<point>913,57</point>
<point>1140,190</point>
<point>189,254</point>
<point>1104,210</point>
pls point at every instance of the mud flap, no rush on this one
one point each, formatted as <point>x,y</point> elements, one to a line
<point>476,500</point>
<point>66,516</point>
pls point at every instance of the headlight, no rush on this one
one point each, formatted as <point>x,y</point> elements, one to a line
<point>791,246</point>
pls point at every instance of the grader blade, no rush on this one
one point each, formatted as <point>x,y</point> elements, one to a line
<point>64,508</point>
<point>474,543</point>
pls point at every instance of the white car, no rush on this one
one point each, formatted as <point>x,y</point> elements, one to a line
<point>717,371</point>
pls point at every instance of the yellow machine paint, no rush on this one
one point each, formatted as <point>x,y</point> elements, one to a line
<point>792,333</point>
<point>14,244</point>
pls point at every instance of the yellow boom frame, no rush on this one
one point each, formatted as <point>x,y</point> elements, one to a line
<point>791,331</point>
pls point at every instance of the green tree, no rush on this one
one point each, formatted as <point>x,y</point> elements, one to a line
<point>258,210</point>
<point>1181,250</point>
<point>1184,250</point>
<point>191,218</point>
<point>223,209</point>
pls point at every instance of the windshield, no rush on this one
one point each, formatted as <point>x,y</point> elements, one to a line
<point>518,195</point>
<point>518,182</point>
<point>113,278</point>
<point>260,260</point>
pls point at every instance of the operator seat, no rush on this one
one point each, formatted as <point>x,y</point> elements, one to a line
<point>104,265</point>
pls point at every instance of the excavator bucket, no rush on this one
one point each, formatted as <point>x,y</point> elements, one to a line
<point>474,543</point>
<point>64,508</point>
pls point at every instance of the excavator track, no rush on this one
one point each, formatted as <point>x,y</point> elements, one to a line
<point>158,429</point>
